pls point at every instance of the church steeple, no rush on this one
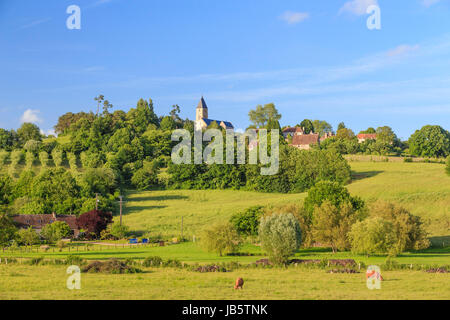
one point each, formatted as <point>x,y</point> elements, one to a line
<point>202,110</point>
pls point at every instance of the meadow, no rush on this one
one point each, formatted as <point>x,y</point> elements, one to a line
<point>49,282</point>
<point>422,188</point>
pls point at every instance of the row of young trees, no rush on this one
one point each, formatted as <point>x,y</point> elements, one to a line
<point>330,216</point>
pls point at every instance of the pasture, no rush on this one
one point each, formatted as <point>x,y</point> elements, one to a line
<point>49,282</point>
<point>422,188</point>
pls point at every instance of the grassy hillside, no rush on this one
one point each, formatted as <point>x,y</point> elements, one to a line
<point>422,188</point>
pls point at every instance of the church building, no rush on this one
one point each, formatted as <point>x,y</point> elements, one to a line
<point>202,120</point>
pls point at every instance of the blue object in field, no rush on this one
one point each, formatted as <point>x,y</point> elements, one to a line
<point>144,240</point>
<point>133,241</point>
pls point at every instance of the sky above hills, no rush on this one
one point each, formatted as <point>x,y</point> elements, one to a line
<point>313,59</point>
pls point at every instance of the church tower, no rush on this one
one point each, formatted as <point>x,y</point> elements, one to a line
<point>202,110</point>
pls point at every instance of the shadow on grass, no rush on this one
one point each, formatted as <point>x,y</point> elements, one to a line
<point>159,198</point>
<point>364,175</point>
<point>134,209</point>
<point>440,242</point>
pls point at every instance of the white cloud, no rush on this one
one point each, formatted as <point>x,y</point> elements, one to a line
<point>429,3</point>
<point>48,132</point>
<point>357,7</point>
<point>294,17</point>
<point>402,50</point>
<point>31,116</point>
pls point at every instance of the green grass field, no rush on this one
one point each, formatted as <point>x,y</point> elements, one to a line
<point>49,282</point>
<point>423,188</point>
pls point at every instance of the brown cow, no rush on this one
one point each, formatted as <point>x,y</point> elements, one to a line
<point>239,283</point>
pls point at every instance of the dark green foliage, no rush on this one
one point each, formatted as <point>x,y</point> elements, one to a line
<point>430,141</point>
<point>7,230</point>
<point>247,222</point>
<point>146,177</point>
<point>333,192</point>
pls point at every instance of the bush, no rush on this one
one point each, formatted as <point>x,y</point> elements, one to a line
<point>119,231</point>
<point>332,223</point>
<point>28,236</point>
<point>280,236</point>
<point>152,262</point>
<point>56,231</point>
<point>146,177</point>
<point>220,238</point>
<point>373,236</point>
<point>304,219</point>
<point>112,266</point>
<point>409,232</point>
<point>57,156</point>
<point>247,222</point>
<point>74,260</point>
<point>43,158</point>
<point>333,192</point>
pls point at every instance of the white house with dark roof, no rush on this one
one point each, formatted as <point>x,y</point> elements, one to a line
<point>202,121</point>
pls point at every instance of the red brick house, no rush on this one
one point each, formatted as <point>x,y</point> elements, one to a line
<point>38,221</point>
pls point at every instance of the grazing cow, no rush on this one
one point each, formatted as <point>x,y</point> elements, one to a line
<point>239,283</point>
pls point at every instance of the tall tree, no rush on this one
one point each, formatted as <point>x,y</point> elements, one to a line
<point>430,141</point>
<point>307,125</point>
<point>321,127</point>
<point>29,131</point>
<point>261,116</point>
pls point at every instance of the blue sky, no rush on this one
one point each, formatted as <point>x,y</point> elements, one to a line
<point>313,59</point>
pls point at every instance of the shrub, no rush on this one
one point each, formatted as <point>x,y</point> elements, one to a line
<point>146,177</point>
<point>57,156</point>
<point>373,236</point>
<point>112,266</point>
<point>119,231</point>
<point>72,158</point>
<point>43,158</point>
<point>333,192</point>
<point>247,222</point>
<point>28,236</point>
<point>409,232</point>
<point>280,236</point>
<point>407,159</point>
<point>56,231</point>
<point>94,222</point>
<point>29,159</point>
<point>152,262</point>
<point>304,219</point>
<point>332,223</point>
<point>220,238</point>
<point>74,260</point>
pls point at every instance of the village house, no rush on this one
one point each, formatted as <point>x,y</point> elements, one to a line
<point>202,120</point>
<point>301,140</point>
<point>366,136</point>
<point>38,221</point>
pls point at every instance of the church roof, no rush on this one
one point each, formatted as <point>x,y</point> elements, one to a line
<point>227,124</point>
<point>202,104</point>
